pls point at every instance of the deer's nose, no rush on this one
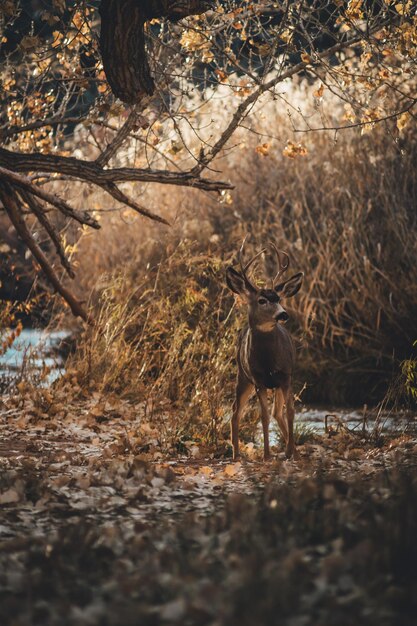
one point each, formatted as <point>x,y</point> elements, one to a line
<point>282,317</point>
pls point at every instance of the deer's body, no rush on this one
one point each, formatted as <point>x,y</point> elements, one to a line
<point>265,354</point>
<point>266,357</point>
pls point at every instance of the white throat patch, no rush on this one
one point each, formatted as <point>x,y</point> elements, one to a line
<point>266,327</point>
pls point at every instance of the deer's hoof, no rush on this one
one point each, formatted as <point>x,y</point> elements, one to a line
<point>292,453</point>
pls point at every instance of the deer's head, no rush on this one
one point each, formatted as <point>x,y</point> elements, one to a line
<point>264,304</point>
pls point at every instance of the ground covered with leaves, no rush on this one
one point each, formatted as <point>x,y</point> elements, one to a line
<point>102,525</point>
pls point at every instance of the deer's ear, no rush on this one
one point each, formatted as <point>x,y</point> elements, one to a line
<point>290,287</point>
<point>236,282</point>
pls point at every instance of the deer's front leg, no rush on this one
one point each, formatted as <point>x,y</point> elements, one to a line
<point>279,414</point>
<point>244,390</point>
<point>263,399</point>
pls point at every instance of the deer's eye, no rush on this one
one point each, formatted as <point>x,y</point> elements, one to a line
<point>262,301</point>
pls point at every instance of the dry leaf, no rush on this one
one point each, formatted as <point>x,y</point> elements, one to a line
<point>231,469</point>
<point>319,92</point>
<point>403,120</point>
<point>293,150</point>
<point>10,496</point>
<point>263,149</point>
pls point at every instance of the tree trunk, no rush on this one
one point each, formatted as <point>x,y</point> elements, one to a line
<point>122,41</point>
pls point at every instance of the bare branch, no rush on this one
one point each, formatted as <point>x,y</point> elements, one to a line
<point>8,198</point>
<point>40,214</point>
<point>121,136</point>
<point>245,106</point>
<point>117,194</point>
<point>24,182</point>
<point>11,131</point>
<point>92,173</point>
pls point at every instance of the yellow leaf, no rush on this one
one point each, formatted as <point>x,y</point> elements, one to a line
<point>222,76</point>
<point>244,89</point>
<point>402,120</point>
<point>403,8</point>
<point>319,92</point>
<point>294,150</point>
<point>354,10</point>
<point>231,469</point>
<point>366,129</point>
<point>263,149</point>
<point>286,35</point>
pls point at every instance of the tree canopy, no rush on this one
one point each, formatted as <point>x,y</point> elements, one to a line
<point>127,71</point>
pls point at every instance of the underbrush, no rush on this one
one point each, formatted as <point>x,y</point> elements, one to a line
<point>169,341</point>
<point>345,213</point>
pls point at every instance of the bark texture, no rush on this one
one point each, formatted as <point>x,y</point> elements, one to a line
<point>122,41</point>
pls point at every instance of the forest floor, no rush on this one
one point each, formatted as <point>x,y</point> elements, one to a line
<point>99,526</point>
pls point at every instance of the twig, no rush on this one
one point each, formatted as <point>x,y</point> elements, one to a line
<point>117,194</point>
<point>121,136</point>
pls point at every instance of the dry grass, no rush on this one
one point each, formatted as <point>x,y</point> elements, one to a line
<point>345,213</point>
<point>166,335</point>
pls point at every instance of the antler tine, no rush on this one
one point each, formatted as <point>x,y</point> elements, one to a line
<point>282,266</point>
<point>244,268</point>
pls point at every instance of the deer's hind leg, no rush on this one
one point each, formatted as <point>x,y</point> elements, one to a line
<point>244,390</point>
<point>279,400</point>
<point>290,450</point>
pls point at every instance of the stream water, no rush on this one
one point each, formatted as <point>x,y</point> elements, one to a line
<point>33,349</point>
<point>37,348</point>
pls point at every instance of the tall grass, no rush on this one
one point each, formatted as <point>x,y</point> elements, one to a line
<point>346,214</point>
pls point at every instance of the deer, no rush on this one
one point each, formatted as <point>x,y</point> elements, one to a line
<point>265,349</point>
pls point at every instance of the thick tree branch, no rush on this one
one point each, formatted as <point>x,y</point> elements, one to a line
<point>121,136</point>
<point>10,203</point>
<point>22,181</point>
<point>92,173</point>
<point>122,41</point>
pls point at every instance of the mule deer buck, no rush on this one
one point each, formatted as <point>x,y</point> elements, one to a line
<point>265,354</point>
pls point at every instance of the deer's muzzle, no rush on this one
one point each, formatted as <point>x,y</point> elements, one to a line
<point>282,316</point>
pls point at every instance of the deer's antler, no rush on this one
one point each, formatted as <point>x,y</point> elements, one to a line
<point>283,264</point>
<point>244,268</point>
